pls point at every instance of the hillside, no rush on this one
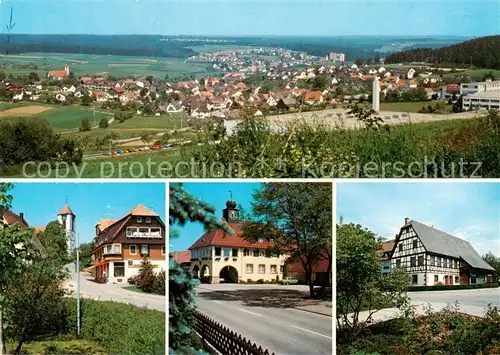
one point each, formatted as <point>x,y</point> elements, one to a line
<point>482,52</point>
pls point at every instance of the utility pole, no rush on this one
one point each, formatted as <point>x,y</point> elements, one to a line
<point>78,325</point>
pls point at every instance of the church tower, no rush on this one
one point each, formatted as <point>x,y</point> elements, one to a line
<point>230,213</point>
<point>67,219</point>
<point>376,95</point>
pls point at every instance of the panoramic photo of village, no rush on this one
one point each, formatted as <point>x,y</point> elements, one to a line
<point>418,268</point>
<point>250,268</point>
<point>300,97</point>
<point>83,268</point>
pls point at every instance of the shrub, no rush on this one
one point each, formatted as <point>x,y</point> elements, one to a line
<point>159,283</point>
<point>85,125</point>
<point>133,280</point>
<point>260,281</point>
<point>146,277</point>
<point>103,123</point>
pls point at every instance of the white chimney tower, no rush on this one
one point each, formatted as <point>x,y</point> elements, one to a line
<point>376,95</point>
<point>67,219</point>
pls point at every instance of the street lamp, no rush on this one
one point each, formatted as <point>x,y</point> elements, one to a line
<point>77,269</point>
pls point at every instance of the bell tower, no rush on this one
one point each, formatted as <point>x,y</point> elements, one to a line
<point>230,213</point>
<point>67,218</point>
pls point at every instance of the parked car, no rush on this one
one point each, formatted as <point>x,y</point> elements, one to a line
<point>289,281</point>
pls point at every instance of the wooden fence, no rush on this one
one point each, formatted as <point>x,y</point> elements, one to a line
<point>224,340</point>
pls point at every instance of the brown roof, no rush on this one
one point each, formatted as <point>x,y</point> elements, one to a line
<point>105,223</point>
<point>141,210</point>
<point>387,247</point>
<point>66,210</point>
<point>313,95</point>
<point>181,256</point>
<point>58,73</point>
<point>40,229</point>
<point>219,237</point>
<point>320,266</point>
<point>12,218</point>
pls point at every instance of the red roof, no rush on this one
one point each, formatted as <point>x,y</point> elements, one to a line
<point>40,229</point>
<point>58,73</point>
<point>320,266</point>
<point>12,218</point>
<point>219,237</point>
<point>66,210</point>
<point>181,256</point>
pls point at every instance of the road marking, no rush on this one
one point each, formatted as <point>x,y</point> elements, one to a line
<point>255,314</point>
<point>310,331</point>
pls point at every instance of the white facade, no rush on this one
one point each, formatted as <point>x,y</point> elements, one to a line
<point>68,223</point>
<point>485,86</point>
<point>482,101</point>
<point>131,268</point>
<point>376,95</point>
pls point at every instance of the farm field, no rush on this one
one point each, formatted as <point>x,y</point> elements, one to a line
<point>88,64</point>
<point>61,118</point>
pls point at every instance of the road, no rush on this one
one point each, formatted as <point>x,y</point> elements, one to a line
<point>250,313</point>
<point>91,289</point>
<point>470,301</point>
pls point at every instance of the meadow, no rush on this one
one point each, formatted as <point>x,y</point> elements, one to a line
<point>96,65</point>
<point>60,118</point>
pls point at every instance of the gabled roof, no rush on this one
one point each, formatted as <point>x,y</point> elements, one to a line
<point>105,223</point>
<point>66,210</point>
<point>141,210</point>
<point>220,238</point>
<point>181,256</point>
<point>12,218</point>
<point>436,241</point>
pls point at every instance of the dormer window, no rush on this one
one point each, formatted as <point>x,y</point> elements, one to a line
<point>139,219</point>
<point>261,240</point>
<point>148,219</point>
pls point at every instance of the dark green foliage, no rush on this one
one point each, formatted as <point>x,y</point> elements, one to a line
<point>87,100</point>
<point>482,52</point>
<point>85,127</point>
<point>146,276</point>
<point>103,123</point>
<point>159,283</point>
<point>451,288</point>
<point>32,140</point>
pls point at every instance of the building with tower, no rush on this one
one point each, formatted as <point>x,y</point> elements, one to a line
<point>221,257</point>
<point>66,219</point>
<point>59,74</point>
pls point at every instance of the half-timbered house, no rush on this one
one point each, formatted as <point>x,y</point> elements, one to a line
<point>431,256</point>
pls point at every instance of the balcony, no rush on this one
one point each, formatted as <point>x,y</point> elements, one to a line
<point>144,235</point>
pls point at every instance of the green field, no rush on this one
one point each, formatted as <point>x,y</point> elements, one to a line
<point>477,73</point>
<point>95,65</point>
<point>60,118</point>
<point>409,106</point>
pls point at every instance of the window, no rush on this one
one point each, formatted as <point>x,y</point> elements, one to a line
<point>274,269</point>
<point>116,248</point>
<point>256,252</point>
<point>144,249</point>
<point>148,219</point>
<point>119,267</point>
<point>456,264</point>
<point>413,261</point>
<point>262,252</point>
<point>400,247</point>
<point>262,269</point>
<point>218,251</point>
<point>156,231</point>
<point>132,249</point>
<point>248,252</point>
<point>457,281</point>
<point>473,279</point>
<point>421,260</point>
<point>234,252</point>
<point>130,263</point>
<point>108,249</point>
<point>162,250</point>
<point>261,240</point>
<point>414,279</point>
<point>439,262</point>
<point>226,252</point>
<point>282,269</point>
<point>144,230</point>
<point>436,278</point>
<point>131,231</point>
<point>398,263</point>
<point>433,260</point>
<point>139,219</point>
<point>249,268</point>
<point>275,254</point>
<point>415,244</point>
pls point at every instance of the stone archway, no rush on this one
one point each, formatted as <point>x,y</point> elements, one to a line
<point>205,276</point>
<point>229,274</point>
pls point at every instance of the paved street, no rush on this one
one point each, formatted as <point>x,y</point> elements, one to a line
<point>91,289</point>
<point>264,314</point>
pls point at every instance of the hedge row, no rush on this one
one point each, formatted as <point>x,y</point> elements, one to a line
<point>120,328</point>
<point>451,287</point>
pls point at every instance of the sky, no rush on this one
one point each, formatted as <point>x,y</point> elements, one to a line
<point>216,194</point>
<point>257,17</point>
<point>90,202</point>
<point>470,211</point>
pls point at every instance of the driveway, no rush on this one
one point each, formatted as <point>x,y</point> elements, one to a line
<point>270,316</point>
<point>113,292</point>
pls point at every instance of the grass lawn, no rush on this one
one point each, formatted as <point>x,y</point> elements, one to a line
<point>134,288</point>
<point>60,347</point>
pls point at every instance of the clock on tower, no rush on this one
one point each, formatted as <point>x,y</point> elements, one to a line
<point>230,213</point>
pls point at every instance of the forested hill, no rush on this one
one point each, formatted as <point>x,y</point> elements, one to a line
<point>483,52</point>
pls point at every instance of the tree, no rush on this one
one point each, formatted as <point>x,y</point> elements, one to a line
<point>320,83</point>
<point>297,219</point>
<point>377,59</point>
<point>185,208</point>
<point>146,276</point>
<point>494,262</point>
<point>2,75</point>
<point>33,77</point>
<point>53,239</point>
<point>359,62</point>
<point>147,138</point>
<point>103,123</point>
<point>85,125</point>
<point>150,79</point>
<point>85,254</point>
<point>360,284</point>
<point>86,100</point>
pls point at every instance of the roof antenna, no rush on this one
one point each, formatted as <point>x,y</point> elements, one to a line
<point>66,199</point>
<point>230,195</point>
